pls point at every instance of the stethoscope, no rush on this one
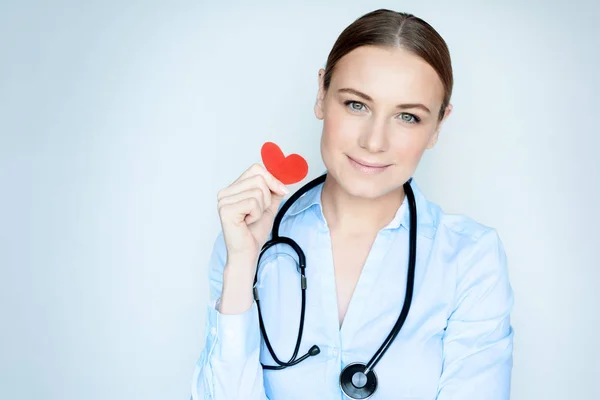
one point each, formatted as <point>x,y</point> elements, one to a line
<point>357,380</point>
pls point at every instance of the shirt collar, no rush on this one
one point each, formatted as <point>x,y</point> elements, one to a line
<point>426,218</point>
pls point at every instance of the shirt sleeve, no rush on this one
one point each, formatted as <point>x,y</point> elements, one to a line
<point>229,365</point>
<point>478,340</point>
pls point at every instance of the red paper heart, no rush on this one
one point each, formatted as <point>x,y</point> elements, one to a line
<point>288,170</point>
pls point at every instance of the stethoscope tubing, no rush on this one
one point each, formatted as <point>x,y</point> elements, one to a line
<point>345,379</point>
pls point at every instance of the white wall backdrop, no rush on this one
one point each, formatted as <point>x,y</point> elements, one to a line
<point>120,121</point>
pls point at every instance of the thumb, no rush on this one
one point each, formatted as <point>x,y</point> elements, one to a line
<point>276,200</point>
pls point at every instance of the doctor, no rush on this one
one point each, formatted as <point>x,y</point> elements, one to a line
<point>383,98</point>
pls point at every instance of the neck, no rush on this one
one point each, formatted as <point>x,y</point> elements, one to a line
<point>358,215</point>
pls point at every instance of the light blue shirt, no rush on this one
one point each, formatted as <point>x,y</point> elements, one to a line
<point>456,343</point>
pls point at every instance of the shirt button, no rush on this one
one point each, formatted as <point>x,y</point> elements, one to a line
<point>334,351</point>
<point>213,331</point>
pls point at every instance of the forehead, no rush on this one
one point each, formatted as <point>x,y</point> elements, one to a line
<point>388,74</point>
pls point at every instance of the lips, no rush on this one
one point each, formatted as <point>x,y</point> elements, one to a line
<point>368,164</point>
<point>366,167</point>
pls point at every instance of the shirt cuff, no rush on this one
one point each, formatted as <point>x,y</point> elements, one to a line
<point>237,335</point>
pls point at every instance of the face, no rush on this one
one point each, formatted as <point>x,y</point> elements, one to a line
<point>379,115</point>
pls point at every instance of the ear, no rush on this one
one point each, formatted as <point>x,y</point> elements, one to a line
<point>433,139</point>
<point>319,104</point>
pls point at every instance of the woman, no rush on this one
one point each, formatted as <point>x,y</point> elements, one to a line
<point>383,97</point>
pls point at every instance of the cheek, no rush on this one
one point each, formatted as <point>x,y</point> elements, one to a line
<point>338,129</point>
<point>409,146</point>
<point>335,139</point>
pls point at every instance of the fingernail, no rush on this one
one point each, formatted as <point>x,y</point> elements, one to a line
<point>284,189</point>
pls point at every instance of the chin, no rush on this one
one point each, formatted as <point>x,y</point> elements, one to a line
<point>365,186</point>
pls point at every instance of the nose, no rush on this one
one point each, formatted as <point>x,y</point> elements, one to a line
<point>374,137</point>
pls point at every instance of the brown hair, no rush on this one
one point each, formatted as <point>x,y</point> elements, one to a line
<point>400,30</point>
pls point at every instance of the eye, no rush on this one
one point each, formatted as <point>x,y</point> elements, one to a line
<point>410,118</point>
<point>352,103</point>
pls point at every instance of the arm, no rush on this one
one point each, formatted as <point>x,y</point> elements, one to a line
<point>229,365</point>
<point>478,341</point>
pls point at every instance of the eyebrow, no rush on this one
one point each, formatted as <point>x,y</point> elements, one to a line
<point>368,98</point>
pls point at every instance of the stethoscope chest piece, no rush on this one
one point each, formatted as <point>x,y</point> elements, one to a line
<point>355,384</point>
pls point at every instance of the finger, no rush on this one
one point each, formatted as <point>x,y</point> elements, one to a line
<point>236,213</point>
<point>274,184</point>
<point>253,182</point>
<point>274,206</point>
<point>237,197</point>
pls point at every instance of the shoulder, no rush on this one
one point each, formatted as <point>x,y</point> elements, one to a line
<point>464,229</point>
<point>459,229</point>
<point>475,253</point>
<point>475,247</point>
<point>470,234</point>
<point>479,258</point>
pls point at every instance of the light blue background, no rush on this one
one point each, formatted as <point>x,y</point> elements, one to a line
<point>120,121</point>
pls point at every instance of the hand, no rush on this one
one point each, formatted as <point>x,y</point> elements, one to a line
<point>247,209</point>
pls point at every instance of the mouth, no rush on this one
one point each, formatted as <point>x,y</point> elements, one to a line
<point>366,166</point>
